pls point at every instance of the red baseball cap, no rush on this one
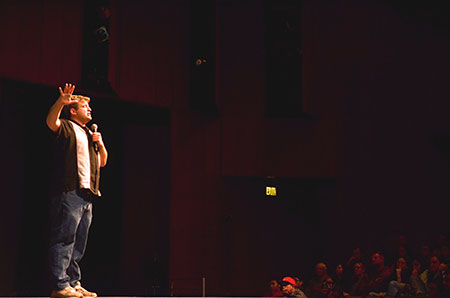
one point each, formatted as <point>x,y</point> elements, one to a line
<point>288,280</point>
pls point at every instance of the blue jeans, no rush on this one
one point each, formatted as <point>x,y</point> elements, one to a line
<point>71,217</point>
<point>394,288</point>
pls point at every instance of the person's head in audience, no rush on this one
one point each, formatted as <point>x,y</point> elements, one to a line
<point>273,284</point>
<point>377,260</point>
<point>321,270</point>
<point>359,269</point>
<point>339,271</point>
<point>288,285</point>
<point>401,264</point>
<point>298,282</point>
<point>275,288</point>
<point>416,267</point>
<point>434,264</point>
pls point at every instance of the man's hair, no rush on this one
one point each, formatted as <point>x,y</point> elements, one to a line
<point>74,105</point>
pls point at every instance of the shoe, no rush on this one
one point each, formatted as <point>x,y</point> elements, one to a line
<point>67,292</point>
<point>84,293</point>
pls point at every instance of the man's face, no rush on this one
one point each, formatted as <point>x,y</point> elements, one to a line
<point>273,284</point>
<point>321,269</point>
<point>377,259</point>
<point>288,289</point>
<point>339,269</point>
<point>83,113</point>
<point>358,269</point>
<point>401,263</point>
<point>434,264</point>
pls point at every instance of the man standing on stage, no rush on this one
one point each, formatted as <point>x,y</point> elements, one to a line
<point>79,155</point>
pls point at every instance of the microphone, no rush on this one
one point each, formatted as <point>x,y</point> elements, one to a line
<point>94,128</point>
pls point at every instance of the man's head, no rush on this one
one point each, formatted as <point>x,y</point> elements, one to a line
<point>298,282</point>
<point>377,259</point>
<point>359,269</point>
<point>339,270</point>
<point>273,284</point>
<point>417,266</point>
<point>434,264</point>
<point>79,111</point>
<point>401,264</point>
<point>321,269</point>
<point>288,285</point>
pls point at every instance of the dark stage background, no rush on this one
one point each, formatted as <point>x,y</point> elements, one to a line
<point>360,154</point>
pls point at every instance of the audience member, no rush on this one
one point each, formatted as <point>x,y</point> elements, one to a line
<point>427,275</point>
<point>275,290</point>
<point>356,257</point>
<point>340,282</point>
<point>321,284</point>
<point>434,279</point>
<point>290,289</point>
<point>402,252</point>
<point>400,280</point>
<point>298,282</point>
<point>359,283</point>
<point>417,279</point>
<point>379,276</point>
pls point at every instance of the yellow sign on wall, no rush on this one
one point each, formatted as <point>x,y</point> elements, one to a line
<point>271,191</point>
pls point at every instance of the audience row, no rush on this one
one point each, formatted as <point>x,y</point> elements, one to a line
<point>424,274</point>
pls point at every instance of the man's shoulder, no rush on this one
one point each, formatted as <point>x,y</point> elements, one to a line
<point>65,129</point>
<point>298,293</point>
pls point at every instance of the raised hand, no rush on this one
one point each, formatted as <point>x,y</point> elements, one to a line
<point>66,96</point>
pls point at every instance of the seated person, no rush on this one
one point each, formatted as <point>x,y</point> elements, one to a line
<point>275,290</point>
<point>359,282</point>
<point>400,280</point>
<point>434,280</point>
<point>379,277</point>
<point>290,289</point>
<point>417,279</point>
<point>321,284</point>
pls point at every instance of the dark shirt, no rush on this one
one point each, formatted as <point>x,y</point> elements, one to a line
<point>359,285</point>
<point>65,176</point>
<point>379,279</point>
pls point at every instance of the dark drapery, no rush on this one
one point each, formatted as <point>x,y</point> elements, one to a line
<point>41,41</point>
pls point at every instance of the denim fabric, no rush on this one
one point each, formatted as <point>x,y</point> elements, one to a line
<point>71,217</point>
<point>394,288</point>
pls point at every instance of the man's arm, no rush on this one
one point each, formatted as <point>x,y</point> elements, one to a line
<point>65,98</point>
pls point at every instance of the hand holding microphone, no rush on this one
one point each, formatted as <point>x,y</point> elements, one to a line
<point>96,136</point>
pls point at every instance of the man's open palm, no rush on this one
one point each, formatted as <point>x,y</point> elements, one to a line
<point>66,95</point>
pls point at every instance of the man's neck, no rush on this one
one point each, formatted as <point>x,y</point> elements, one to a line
<point>78,122</point>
